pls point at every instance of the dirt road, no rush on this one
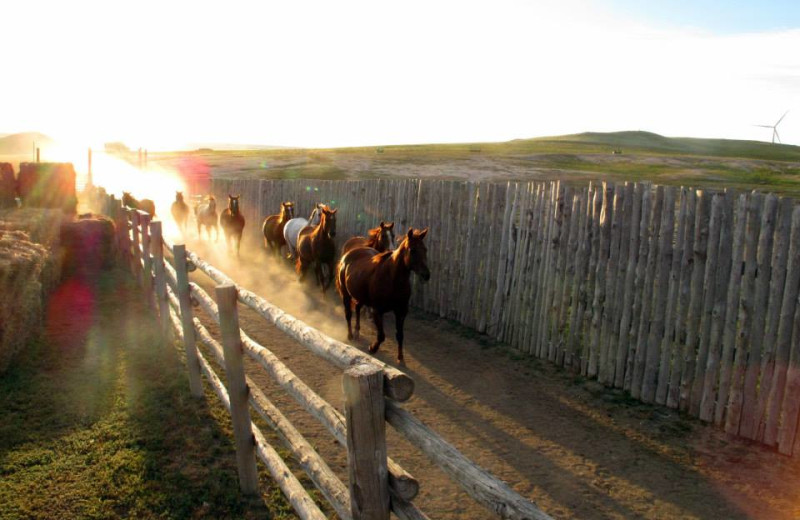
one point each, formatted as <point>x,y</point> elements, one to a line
<point>577,449</point>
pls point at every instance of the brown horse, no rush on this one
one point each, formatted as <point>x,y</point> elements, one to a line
<point>380,239</point>
<point>381,281</point>
<point>315,246</point>
<point>232,223</point>
<point>146,205</point>
<point>273,228</point>
<point>206,215</point>
<point>180,211</point>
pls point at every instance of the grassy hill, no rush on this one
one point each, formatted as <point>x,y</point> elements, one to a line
<point>578,158</point>
<point>22,143</point>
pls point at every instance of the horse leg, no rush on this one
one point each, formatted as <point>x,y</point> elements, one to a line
<point>358,320</point>
<point>330,275</point>
<point>347,301</point>
<point>378,319</point>
<point>399,318</point>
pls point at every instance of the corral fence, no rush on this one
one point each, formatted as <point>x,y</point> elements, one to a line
<point>373,390</point>
<point>682,297</point>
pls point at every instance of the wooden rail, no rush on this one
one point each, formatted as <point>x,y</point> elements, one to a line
<point>376,484</point>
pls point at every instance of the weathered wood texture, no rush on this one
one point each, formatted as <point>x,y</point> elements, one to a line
<point>675,296</point>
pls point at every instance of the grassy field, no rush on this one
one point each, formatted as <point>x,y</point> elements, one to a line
<point>96,421</point>
<point>713,163</point>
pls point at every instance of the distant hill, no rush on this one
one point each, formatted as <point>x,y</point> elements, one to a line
<point>648,142</point>
<point>231,146</point>
<point>22,143</point>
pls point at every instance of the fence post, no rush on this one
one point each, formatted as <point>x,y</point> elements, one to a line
<point>147,264</point>
<point>364,409</point>
<point>237,388</point>
<point>136,269</point>
<point>123,233</point>
<point>192,363</point>
<point>157,249</point>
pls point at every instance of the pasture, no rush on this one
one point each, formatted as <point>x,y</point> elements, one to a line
<point>711,163</point>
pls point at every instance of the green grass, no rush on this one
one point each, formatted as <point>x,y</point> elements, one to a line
<point>97,422</point>
<point>579,158</point>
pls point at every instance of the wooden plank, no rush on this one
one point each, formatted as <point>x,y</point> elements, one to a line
<point>786,355</point>
<point>237,388</point>
<point>586,326</point>
<point>732,310</point>
<point>570,265</point>
<point>555,214</point>
<point>682,308</point>
<point>736,395</point>
<point>627,296</point>
<point>660,294</point>
<point>709,286</point>
<point>159,278</point>
<point>579,282</point>
<point>541,277</point>
<point>775,299</point>
<point>533,284</point>
<point>605,372</point>
<point>495,311</point>
<point>669,352</point>
<point>748,427</point>
<point>695,296</point>
<point>718,312</point>
<point>640,354</point>
<point>185,306</point>
<point>492,493</point>
<point>604,244</point>
<point>790,409</point>
<point>364,410</point>
<point>555,342</point>
<point>611,335</point>
<point>520,258</point>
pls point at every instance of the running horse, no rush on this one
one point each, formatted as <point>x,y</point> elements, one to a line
<point>292,229</point>
<point>273,228</point>
<point>232,223</point>
<point>180,211</point>
<point>315,246</point>
<point>380,239</point>
<point>206,215</point>
<point>382,282</point>
<point>145,205</point>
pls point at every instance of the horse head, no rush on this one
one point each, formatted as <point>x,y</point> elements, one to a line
<point>387,235</point>
<point>328,221</point>
<point>287,211</point>
<point>178,196</point>
<point>212,203</point>
<point>233,204</point>
<point>415,254</point>
<point>127,198</point>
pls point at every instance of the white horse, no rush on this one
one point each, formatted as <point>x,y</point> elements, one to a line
<point>291,230</point>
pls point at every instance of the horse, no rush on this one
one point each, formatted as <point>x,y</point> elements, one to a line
<point>232,223</point>
<point>145,205</point>
<point>315,246</point>
<point>273,228</point>
<point>180,211</point>
<point>381,281</point>
<point>380,239</point>
<point>291,229</point>
<point>206,215</point>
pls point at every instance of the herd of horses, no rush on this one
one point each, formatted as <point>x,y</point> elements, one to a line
<point>372,271</point>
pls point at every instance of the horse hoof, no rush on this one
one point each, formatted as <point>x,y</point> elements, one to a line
<point>401,361</point>
<point>373,349</point>
<point>349,335</point>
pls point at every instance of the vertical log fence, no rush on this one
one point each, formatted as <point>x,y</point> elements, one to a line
<point>681,297</point>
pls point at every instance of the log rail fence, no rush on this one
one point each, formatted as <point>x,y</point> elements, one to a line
<point>682,297</point>
<point>373,390</point>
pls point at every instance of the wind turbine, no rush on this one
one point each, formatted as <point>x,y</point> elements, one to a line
<point>775,128</point>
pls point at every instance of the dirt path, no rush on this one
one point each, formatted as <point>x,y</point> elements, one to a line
<point>575,448</point>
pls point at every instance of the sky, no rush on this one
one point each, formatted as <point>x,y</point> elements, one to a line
<point>162,74</point>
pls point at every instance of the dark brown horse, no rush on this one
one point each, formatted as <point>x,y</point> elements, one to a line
<point>180,211</point>
<point>146,205</point>
<point>273,228</point>
<point>232,223</point>
<point>315,246</point>
<point>380,239</point>
<point>206,215</point>
<point>382,282</point>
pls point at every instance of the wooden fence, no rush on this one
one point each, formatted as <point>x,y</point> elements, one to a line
<point>373,391</point>
<point>682,297</point>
